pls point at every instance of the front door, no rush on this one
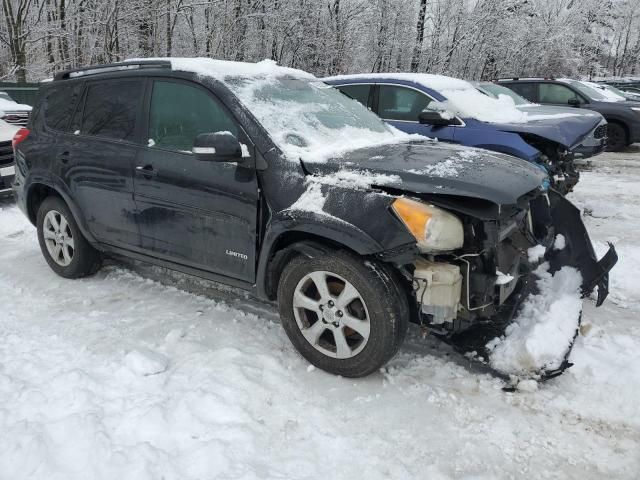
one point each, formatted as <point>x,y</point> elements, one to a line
<point>199,214</point>
<point>99,155</point>
<point>401,106</point>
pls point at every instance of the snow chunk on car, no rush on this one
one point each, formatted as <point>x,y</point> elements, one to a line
<point>541,335</point>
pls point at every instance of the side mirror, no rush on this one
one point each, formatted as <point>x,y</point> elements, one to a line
<point>217,147</point>
<point>437,119</point>
<point>574,102</point>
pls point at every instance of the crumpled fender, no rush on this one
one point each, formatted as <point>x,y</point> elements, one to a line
<point>578,251</point>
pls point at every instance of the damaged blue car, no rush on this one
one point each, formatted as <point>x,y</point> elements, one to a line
<point>454,110</point>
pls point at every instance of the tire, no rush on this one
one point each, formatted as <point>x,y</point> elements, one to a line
<point>617,137</point>
<point>64,247</point>
<point>376,308</point>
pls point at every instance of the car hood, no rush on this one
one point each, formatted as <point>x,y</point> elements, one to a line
<point>435,168</point>
<point>566,126</point>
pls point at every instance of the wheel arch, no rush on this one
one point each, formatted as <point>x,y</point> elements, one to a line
<point>40,189</point>
<point>284,240</point>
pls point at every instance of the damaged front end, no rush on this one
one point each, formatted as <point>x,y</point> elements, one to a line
<point>470,298</point>
<point>558,161</point>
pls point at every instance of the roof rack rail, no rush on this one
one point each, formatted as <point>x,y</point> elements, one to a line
<point>506,79</point>
<point>112,67</point>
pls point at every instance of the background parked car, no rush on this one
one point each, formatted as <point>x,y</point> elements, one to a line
<point>623,117</point>
<point>7,167</point>
<point>13,112</point>
<point>611,90</point>
<point>454,110</point>
<point>592,144</point>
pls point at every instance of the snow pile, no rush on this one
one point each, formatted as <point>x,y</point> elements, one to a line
<point>146,362</point>
<point>503,278</point>
<point>223,69</point>
<point>357,179</point>
<point>9,106</point>
<point>541,334</point>
<point>311,200</point>
<point>450,167</point>
<point>536,253</point>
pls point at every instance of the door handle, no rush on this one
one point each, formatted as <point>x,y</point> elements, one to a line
<point>64,157</point>
<point>146,171</point>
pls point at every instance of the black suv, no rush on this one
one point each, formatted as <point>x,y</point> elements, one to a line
<point>623,117</point>
<point>264,178</point>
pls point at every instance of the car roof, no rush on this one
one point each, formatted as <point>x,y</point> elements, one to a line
<point>217,69</point>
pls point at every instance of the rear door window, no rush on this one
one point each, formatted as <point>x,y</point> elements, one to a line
<point>526,90</point>
<point>111,109</point>
<point>180,112</point>
<point>59,104</point>
<point>360,93</point>
<point>401,103</point>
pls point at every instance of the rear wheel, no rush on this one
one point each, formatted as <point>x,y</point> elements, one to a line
<point>344,315</point>
<point>64,248</point>
<point>616,137</point>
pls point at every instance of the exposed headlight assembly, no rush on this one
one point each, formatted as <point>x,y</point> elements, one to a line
<point>435,229</point>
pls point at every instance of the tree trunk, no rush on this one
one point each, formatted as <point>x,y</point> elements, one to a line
<point>417,49</point>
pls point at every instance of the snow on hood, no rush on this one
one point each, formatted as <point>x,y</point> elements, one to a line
<point>306,118</point>
<point>11,106</point>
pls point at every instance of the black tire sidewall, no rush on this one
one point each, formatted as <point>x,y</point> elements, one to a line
<point>85,258</point>
<point>388,312</point>
<point>622,138</point>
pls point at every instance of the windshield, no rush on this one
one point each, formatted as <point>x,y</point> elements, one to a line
<point>494,91</point>
<point>589,92</point>
<point>309,119</point>
<point>616,91</point>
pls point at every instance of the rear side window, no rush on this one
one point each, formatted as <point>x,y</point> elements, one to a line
<point>111,109</point>
<point>526,90</point>
<point>59,104</point>
<point>180,112</point>
<point>357,92</point>
<point>400,103</point>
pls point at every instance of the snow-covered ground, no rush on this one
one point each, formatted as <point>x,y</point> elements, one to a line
<point>120,376</point>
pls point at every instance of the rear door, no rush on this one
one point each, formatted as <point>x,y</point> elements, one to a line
<point>401,106</point>
<point>191,212</point>
<point>99,155</point>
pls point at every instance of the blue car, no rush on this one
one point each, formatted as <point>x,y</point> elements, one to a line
<point>454,110</point>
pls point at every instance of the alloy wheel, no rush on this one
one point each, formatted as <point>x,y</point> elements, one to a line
<point>331,314</point>
<point>58,238</point>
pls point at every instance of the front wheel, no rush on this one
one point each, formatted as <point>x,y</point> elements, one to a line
<point>617,137</point>
<point>64,247</point>
<point>345,315</point>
